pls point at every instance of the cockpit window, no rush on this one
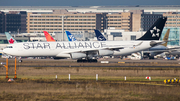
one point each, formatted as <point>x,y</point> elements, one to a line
<point>9,46</point>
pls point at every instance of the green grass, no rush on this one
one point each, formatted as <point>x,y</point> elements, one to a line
<point>90,77</point>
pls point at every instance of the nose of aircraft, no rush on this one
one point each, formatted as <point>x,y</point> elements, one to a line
<point>1,51</point>
<point>6,51</point>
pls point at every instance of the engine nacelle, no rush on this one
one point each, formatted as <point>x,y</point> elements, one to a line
<point>78,55</point>
<point>62,56</point>
<point>153,43</point>
<point>151,55</point>
<point>104,52</point>
<point>57,58</point>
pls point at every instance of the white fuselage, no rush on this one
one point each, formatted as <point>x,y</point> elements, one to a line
<point>64,49</point>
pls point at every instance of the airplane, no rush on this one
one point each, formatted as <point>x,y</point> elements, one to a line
<point>175,51</point>
<point>10,39</point>
<point>151,52</point>
<point>70,36</point>
<point>49,38</point>
<point>88,49</point>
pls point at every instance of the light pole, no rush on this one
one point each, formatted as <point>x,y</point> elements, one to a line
<point>106,19</point>
<point>106,22</point>
<point>62,27</point>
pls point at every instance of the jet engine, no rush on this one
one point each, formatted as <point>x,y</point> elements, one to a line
<point>78,55</point>
<point>104,52</point>
<point>153,43</point>
<point>151,55</point>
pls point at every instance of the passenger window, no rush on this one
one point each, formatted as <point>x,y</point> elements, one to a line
<point>9,47</point>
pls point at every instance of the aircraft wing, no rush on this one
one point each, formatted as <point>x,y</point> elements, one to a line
<point>173,48</point>
<point>156,51</point>
<point>161,51</point>
<point>89,51</point>
<point>109,47</point>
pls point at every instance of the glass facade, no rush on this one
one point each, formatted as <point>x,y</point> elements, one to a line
<point>173,35</point>
<point>147,20</point>
<point>6,42</point>
<point>116,34</point>
<point>13,23</point>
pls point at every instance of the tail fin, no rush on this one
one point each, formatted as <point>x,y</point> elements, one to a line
<point>48,37</point>
<point>10,39</point>
<point>154,33</point>
<point>166,36</point>
<point>70,36</point>
<point>99,36</point>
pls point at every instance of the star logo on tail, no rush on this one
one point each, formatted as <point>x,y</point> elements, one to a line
<point>155,32</point>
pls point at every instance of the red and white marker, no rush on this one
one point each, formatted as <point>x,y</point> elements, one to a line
<point>147,77</point>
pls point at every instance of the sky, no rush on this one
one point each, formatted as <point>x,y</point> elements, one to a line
<point>86,2</point>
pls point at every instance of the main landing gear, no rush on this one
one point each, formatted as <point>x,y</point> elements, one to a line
<point>20,60</point>
<point>87,60</point>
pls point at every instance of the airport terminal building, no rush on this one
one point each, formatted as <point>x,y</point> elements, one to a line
<point>79,20</point>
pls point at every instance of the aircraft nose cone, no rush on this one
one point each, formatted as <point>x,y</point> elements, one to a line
<point>6,51</point>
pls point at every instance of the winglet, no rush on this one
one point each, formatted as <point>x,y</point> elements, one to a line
<point>70,36</point>
<point>10,39</point>
<point>155,31</point>
<point>49,38</point>
<point>99,36</point>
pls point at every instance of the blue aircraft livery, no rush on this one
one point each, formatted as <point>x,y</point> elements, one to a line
<point>70,36</point>
<point>99,36</point>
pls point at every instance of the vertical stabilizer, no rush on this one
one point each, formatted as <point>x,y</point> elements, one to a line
<point>49,38</point>
<point>70,36</point>
<point>10,39</point>
<point>166,36</point>
<point>99,36</point>
<point>155,31</point>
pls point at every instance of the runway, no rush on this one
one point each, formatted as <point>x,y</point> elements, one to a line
<point>99,66</point>
<point>112,63</point>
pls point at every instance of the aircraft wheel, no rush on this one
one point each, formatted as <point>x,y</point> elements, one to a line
<point>95,60</point>
<point>79,60</point>
<point>92,60</point>
<point>85,60</point>
<point>20,60</point>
